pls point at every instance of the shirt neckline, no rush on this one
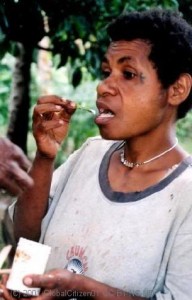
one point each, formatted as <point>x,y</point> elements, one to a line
<point>122,197</point>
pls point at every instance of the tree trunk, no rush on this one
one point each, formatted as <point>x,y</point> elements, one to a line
<point>20,99</point>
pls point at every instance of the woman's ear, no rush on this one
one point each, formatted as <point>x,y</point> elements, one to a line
<point>180,89</point>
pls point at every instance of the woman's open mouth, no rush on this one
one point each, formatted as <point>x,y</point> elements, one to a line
<point>104,116</point>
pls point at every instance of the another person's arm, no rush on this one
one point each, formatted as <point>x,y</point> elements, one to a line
<point>13,168</point>
<point>50,126</point>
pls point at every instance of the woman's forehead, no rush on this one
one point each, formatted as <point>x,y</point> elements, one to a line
<point>128,50</point>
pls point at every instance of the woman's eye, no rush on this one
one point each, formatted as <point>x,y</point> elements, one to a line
<point>129,75</point>
<point>105,74</point>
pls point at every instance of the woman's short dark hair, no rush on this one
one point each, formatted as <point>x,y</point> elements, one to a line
<point>170,37</point>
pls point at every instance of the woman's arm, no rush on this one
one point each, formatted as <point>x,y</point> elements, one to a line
<point>31,206</point>
<point>50,126</point>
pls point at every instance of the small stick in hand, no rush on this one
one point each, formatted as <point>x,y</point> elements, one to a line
<point>92,111</point>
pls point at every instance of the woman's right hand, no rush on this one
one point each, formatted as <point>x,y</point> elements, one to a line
<point>51,119</point>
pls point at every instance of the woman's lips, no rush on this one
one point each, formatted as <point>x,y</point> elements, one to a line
<point>104,116</point>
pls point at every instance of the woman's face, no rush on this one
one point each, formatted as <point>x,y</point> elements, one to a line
<point>130,98</point>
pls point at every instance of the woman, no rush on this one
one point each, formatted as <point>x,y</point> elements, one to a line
<point>119,209</point>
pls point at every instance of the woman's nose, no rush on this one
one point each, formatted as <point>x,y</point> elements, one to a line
<point>107,86</point>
